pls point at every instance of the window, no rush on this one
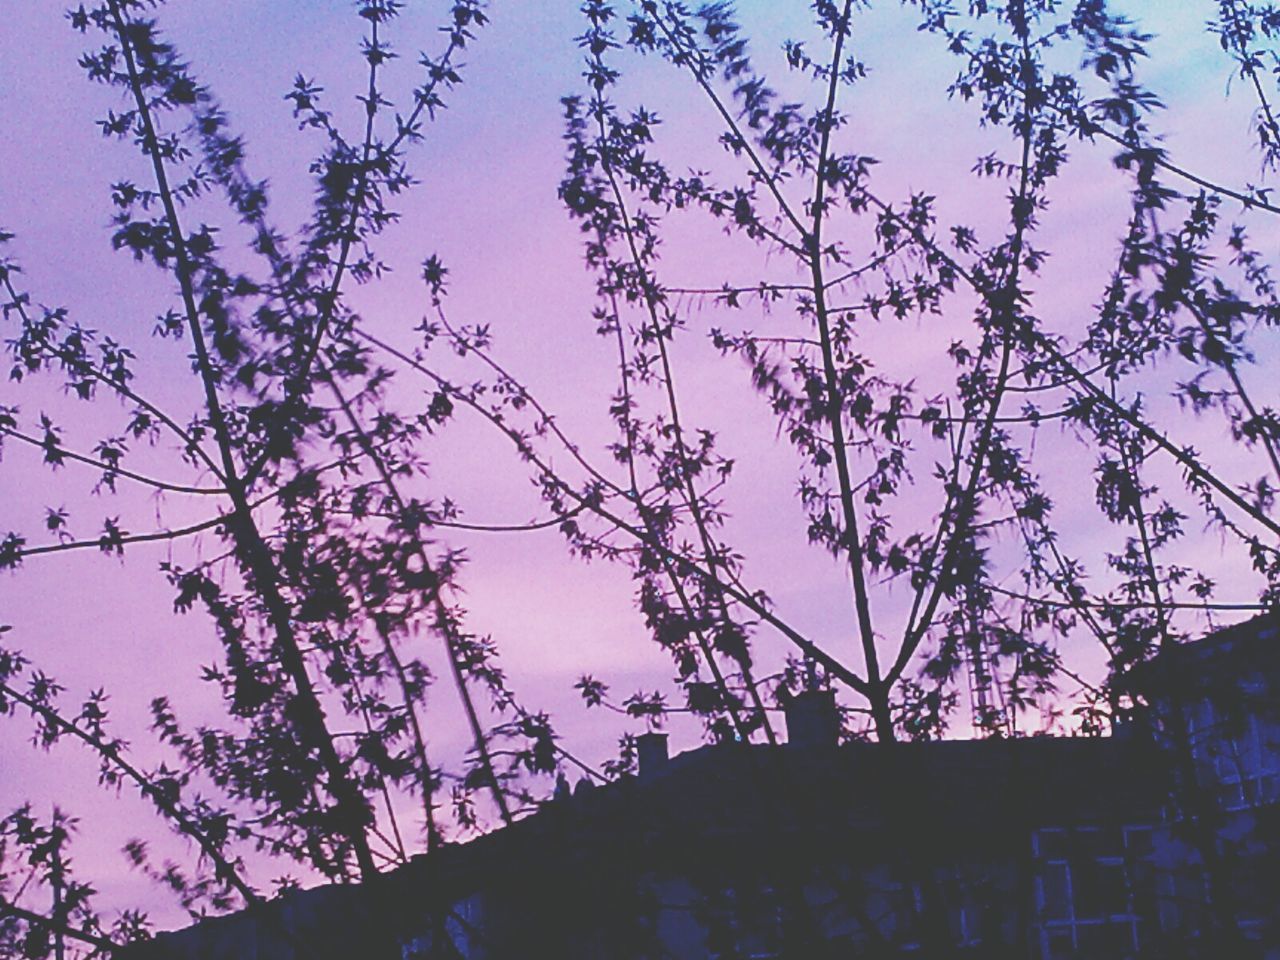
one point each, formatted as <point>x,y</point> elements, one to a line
<point>745,922</point>
<point>1239,754</point>
<point>949,905</point>
<point>966,921</point>
<point>1093,890</point>
<point>458,936</point>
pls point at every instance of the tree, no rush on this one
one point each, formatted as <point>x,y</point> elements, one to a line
<point>915,353</point>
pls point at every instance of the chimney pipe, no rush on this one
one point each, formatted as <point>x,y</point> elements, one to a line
<point>812,719</point>
<point>651,754</point>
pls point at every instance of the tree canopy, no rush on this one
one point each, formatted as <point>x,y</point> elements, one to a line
<point>913,350</point>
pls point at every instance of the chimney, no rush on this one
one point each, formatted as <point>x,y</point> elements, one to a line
<point>812,719</point>
<point>1129,726</point>
<point>651,754</point>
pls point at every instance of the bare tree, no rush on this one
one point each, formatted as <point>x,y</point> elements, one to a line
<point>922,473</point>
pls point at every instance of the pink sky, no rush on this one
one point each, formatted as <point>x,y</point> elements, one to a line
<point>488,207</point>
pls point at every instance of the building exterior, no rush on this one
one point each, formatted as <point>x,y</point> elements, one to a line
<point>1160,841</point>
<point>1215,716</point>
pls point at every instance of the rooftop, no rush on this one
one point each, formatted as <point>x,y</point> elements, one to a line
<point>726,804</point>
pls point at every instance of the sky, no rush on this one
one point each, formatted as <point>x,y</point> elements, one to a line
<point>487,206</point>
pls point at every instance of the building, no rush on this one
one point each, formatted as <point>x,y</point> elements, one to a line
<point>1215,715</point>
<point>1156,842</point>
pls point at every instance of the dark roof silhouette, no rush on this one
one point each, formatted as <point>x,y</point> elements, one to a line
<point>731,807</point>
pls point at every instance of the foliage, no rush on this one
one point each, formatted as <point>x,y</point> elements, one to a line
<point>923,486</point>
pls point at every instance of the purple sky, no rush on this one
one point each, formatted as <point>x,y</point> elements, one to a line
<point>488,207</point>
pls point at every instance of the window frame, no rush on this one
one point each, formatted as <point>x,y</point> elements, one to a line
<point>1069,862</point>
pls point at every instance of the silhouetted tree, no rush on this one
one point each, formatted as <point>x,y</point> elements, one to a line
<point>917,473</point>
<point>329,572</point>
